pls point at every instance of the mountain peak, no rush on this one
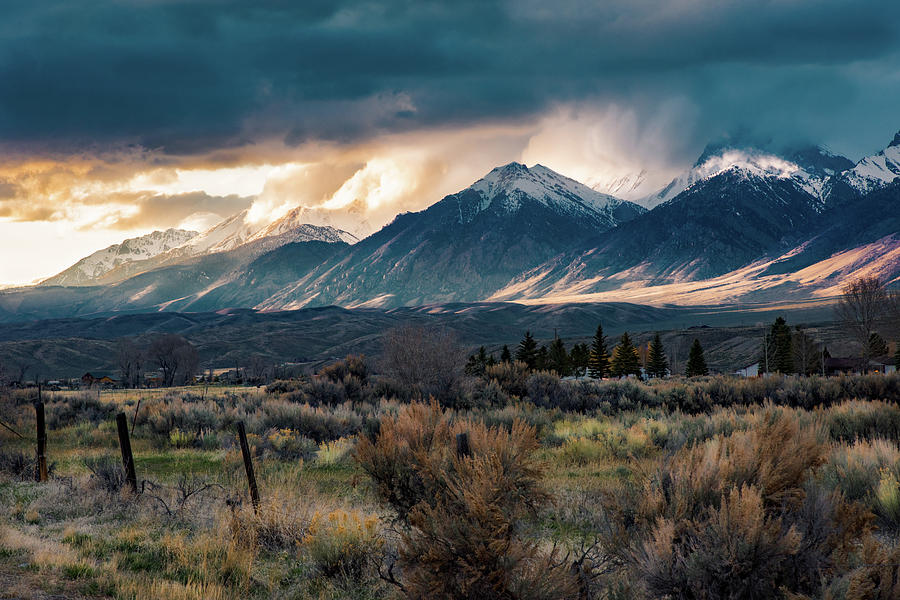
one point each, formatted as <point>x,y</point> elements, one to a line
<point>87,270</point>
<point>514,182</point>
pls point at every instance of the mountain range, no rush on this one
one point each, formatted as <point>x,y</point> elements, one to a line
<point>741,224</point>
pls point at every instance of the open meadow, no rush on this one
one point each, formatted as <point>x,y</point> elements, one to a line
<point>710,487</point>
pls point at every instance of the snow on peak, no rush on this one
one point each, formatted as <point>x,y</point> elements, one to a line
<point>749,161</point>
<point>514,182</point>
<point>627,187</point>
<point>94,266</point>
<point>876,171</point>
<point>329,222</point>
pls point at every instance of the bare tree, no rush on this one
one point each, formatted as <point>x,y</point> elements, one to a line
<point>807,356</point>
<point>130,360</point>
<point>177,358</point>
<point>257,370</point>
<point>429,361</point>
<point>861,309</point>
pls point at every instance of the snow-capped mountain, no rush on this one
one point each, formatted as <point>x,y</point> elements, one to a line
<point>506,188</point>
<point>90,268</point>
<point>627,187</point>
<point>809,169</point>
<point>874,172</point>
<point>295,227</point>
<point>235,236</point>
<point>466,245</point>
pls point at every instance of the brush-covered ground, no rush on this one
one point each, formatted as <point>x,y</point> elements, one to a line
<point>706,488</point>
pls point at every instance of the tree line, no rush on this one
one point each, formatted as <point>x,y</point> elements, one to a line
<point>594,360</point>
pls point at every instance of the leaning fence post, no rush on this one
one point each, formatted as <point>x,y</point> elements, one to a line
<point>127,457</point>
<point>40,473</point>
<point>248,465</point>
<point>462,445</point>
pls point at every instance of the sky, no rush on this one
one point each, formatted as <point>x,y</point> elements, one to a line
<point>118,118</point>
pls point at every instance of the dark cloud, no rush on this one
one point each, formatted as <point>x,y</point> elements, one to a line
<point>187,77</point>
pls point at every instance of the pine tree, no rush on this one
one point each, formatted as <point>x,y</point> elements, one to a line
<point>527,351</point>
<point>778,350</point>
<point>598,362</point>
<point>657,363</point>
<point>478,362</point>
<point>542,359</point>
<point>696,364</point>
<point>877,346</point>
<point>558,358</point>
<point>505,356</point>
<point>625,359</point>
<point>578,358</point>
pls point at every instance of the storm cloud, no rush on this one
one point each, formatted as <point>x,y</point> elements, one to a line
<point>191,77</point>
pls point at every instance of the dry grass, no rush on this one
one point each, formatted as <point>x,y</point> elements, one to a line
<point>738,472</point>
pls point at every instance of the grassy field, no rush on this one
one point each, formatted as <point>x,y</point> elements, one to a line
<point>614,470</point>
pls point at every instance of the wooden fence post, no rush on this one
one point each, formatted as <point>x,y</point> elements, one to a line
<point>462,445</point>
<point>41,470</point>
<point>127,457</point>
<point>248,465</point>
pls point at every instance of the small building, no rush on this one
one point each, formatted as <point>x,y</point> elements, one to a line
<point>748,371</point>
<point>841,366</point>
<point>882,364</point>
<point>88,381</point>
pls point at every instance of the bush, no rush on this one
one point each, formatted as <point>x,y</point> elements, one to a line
<point>739,517</point>
<point>546,390</point>
<point>352,366</point>
<point>18,465</point>
<point>512,377</point>
<point>464,515</point>
<point>344,544</point>
<point>107,473</point>
<point>286,444</point>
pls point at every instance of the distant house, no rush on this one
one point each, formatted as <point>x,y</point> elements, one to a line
<point>88,380</point>
<point>748,371</point>
<point>882,364</point>
<point>841,366</point>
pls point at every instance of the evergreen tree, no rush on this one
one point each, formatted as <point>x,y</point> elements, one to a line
<point>579,358</point>
<point>527,351</point>
<point>558,358</point>
<point>778,350</point>
<point>696,364</point>
<point>625,359</point>
<point>478,362</point>
<point>542,359</point>
<point>505,356</point>
<point>897,358</point>
<point>657,363</point>
<point>598,362</point>
<point>877,346</point>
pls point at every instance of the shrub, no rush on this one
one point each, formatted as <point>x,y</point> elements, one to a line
<point>334,453</point>
<point>737,517</point>
<point>344,544</point>
<point>512,377</point>
<point>107,473</point>
<point>17,465</point>
<point>352,366</point>
<point>464,516</point>
<point>286,444</point>
<point>864,420</point>
<point>546,390</point>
